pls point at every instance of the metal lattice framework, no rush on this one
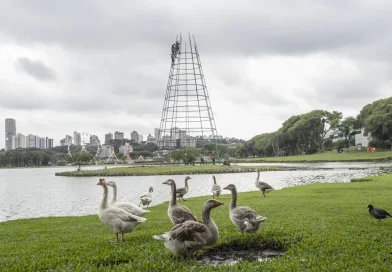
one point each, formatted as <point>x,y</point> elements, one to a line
<point>187,112</point>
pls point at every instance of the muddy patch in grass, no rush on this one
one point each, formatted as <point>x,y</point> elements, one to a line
<point>232,254</point>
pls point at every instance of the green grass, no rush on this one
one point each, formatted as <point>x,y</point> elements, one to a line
<point>167,170</point>
<point>322,227</point>
<point>330,156</point>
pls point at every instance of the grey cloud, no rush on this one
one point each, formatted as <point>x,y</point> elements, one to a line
<point>36,69</point>
<point>250,28</point>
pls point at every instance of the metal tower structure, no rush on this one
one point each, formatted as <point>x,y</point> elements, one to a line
<point>187,114</point>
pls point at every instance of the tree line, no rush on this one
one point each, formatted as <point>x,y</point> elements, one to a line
<point>306,133</point>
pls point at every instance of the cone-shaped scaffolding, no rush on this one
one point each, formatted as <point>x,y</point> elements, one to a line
<point>187,114</point>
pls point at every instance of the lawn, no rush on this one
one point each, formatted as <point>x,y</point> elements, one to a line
<point>321,227</point>
<point>330,156</point>
<point>167,170</point>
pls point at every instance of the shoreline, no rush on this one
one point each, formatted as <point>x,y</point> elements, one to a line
<point>172,170</point>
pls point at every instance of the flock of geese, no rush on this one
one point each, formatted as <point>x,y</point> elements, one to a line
<point>188,234</point>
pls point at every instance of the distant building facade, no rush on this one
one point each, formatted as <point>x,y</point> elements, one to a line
<point>108,138</point>
<point>119,135</point>
<point>10,130</point>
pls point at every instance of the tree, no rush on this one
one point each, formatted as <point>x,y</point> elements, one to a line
<point>80,158</point>
<point>347,127</point>
<point>376,118</point>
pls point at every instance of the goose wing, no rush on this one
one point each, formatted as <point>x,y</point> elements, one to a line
<point>182,214</point>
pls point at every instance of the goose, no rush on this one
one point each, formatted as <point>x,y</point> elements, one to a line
<point>186,238</point>
<point>146,198</point>
<point>243,217</point>
<point>216,189</point>
<point>117,220</point>
<point>378,213</point>
<point>177,213</point>
<point>261,185</point>
<point>180,192</point>
<point>129,207</point>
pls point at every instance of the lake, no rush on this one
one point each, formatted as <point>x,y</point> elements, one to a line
<point>37,192</point>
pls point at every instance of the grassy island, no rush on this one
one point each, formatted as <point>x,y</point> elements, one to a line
<point>330,156</point>
<point>320,227</point>
<point>169,170</point>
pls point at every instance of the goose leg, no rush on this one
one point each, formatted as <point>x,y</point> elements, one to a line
<point>140,203</point>
<point>122,237</point>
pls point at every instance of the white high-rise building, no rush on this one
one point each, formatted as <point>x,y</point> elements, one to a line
<point>30,140</point>
<point>68,139</point>
<point>118,135</point>
<point>37,142</point>
<point>10,130</point>
<point>18,141</point>
<point>77,139</point>
<point>140,138</point>
<point>156,134</point>
<point>135,136</point>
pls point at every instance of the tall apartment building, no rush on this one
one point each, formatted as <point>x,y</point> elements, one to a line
<point>156,134</point>
<point>18,141</point>
<point>119,135</point>
<point>10,130</point>
<point>77,139</point>
<point>108,137</point>
<point>30,141</point>
<point>49,143</point>
<point>134,136</point>
<point>140,138</point>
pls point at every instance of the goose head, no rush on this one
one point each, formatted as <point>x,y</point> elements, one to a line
<point>150,189</point>
<point>187,178</point>
<point>212,203</point>
<point>229,187</point>
<point>169,182</point>
<point>370,206</point>
<point>101,181</point>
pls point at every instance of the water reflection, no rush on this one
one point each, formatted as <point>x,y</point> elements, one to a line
<point>37,192</point>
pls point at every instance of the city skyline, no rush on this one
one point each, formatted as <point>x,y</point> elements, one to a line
<point>102,139</point>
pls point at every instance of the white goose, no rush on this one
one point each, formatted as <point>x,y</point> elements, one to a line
<point>146,198</point>
<point>117,220</point>
<point>129,207</point>
<point>190,236</point>
<point>243,217</point>
<point>216,189</point>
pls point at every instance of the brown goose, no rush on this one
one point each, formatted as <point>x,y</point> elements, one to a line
<point>262,186</point>
<point>180,192</point>
<point>190,236</point>
<point>177,213</point>
<point>243,217</point>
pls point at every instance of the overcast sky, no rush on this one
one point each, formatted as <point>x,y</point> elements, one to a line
<point>101,66</point>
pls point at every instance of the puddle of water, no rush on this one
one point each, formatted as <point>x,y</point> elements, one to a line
<point>231,257</point>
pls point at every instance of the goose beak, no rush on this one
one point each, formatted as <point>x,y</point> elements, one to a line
<point>226,188</point>
<point>218,203</point>
<point>165,182</point>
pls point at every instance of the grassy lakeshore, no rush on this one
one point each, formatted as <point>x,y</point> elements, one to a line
<point>322,227</point>
<point>330,156</point>
<point>168,170</point>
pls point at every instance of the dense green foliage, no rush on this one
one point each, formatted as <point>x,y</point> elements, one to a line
<point>376,118</point>
<point>29,157</point>
<point>306,133</point>
<point>322,227</point>
<point>168,170</point>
